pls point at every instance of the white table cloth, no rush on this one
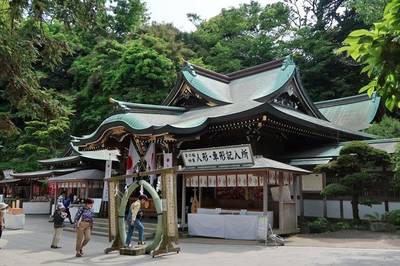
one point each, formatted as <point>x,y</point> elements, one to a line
<point>242,227</point>
<point>16,221</point>
<point>36,207</point>
<point>206,225</point>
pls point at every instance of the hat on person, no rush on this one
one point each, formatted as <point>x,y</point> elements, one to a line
<point>143,197</point>
<point>60,206</point>
<point>89,201</point>
<point>3,206</point>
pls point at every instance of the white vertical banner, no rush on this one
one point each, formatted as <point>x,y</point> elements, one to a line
<point>107,175</point>
<point>168,160</point>
<point>132,160</point>
<point>150,158</point>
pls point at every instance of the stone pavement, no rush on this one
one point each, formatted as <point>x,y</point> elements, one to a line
<point>31,246</point>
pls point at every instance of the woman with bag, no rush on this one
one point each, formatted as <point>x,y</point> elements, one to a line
<point>83,226</point>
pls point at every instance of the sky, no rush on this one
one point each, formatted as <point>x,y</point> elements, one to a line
<point>175,10</point>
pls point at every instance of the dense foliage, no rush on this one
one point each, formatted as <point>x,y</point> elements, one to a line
<point>388,127</point>
<point>61,61</point>
<point>378,50</point>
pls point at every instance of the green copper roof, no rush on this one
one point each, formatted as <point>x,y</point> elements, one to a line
<point>325,153</point>
<point>355,112</point>
<point>236,86</point>
<point>146,107</point>
<point>198,83</point>
<point>238,95</point>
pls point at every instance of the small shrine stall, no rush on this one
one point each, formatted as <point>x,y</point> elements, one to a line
<point>32,190</point>
<point>87,183</point>
<point>235,190</point>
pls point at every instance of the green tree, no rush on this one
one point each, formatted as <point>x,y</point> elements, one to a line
<point>38,140</point>
<point>130,71</point>
<point>388,127</point>
<point>357,169</point>
<point>378,50</point>
<point>129,16</point>
<point>240,37</point>
<point>369,11</point>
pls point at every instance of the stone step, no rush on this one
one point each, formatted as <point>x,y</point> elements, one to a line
<point>147,235</point>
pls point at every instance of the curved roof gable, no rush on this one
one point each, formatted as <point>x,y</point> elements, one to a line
<point>250,83</point>
<point>355,112</point>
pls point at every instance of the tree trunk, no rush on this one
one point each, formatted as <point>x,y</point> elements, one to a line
<point>354,205</point>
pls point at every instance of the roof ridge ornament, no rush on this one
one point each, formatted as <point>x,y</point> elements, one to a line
<point>287,62</point>
<point>189,68</point>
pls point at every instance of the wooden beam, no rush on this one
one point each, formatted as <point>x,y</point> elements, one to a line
<point>142,174</point>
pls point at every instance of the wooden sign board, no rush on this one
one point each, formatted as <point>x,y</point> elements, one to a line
<point>218,156</point>
<point>171,205</point>
<point>312,182</point>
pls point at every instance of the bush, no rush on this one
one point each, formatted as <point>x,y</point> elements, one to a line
<point>393,217</point>
<point>319,225</point>
<point>343,226</point>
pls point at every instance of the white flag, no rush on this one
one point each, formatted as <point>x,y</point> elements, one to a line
<point>167,160</point>
<point>107,175</point>
<point>150,158</point>
<point>132,160</point>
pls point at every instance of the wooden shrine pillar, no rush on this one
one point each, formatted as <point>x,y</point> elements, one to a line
<point>281,215</point>
<point>200,197</point>
<point>300,181</point>
<point>265,196</point>
<point>296,189</point>
<point>86,189</point>
<point>183,212</point>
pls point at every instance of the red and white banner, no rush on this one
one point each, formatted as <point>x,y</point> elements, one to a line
<point>150,158</point>
<point>132,160</point>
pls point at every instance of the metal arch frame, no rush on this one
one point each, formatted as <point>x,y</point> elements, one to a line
<point>158,205</point>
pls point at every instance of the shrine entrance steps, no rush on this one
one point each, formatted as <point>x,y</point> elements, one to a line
<point>100,228</point>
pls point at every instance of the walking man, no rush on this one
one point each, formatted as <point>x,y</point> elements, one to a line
<point>59,216</point>
<point>83,224</point>
<point>134,220</point>
<point>67,203</point>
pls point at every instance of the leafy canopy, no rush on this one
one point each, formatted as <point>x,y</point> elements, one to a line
<point>378,50</point>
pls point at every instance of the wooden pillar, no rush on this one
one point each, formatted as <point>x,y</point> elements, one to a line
<point>281,221</point>
<point>183,217</point>
<point>265,196</point>
<point>200,197</point>
<point>325,210</point>
<point>296,194</point>
<point>30,189</point>
<point>87,190</point>
<point>300,180</point>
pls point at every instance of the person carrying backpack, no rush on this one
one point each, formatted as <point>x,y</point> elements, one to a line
<point>134,220</point>
<point>59,216</point>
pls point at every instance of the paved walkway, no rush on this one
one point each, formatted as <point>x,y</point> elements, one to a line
<point>31,247</point>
